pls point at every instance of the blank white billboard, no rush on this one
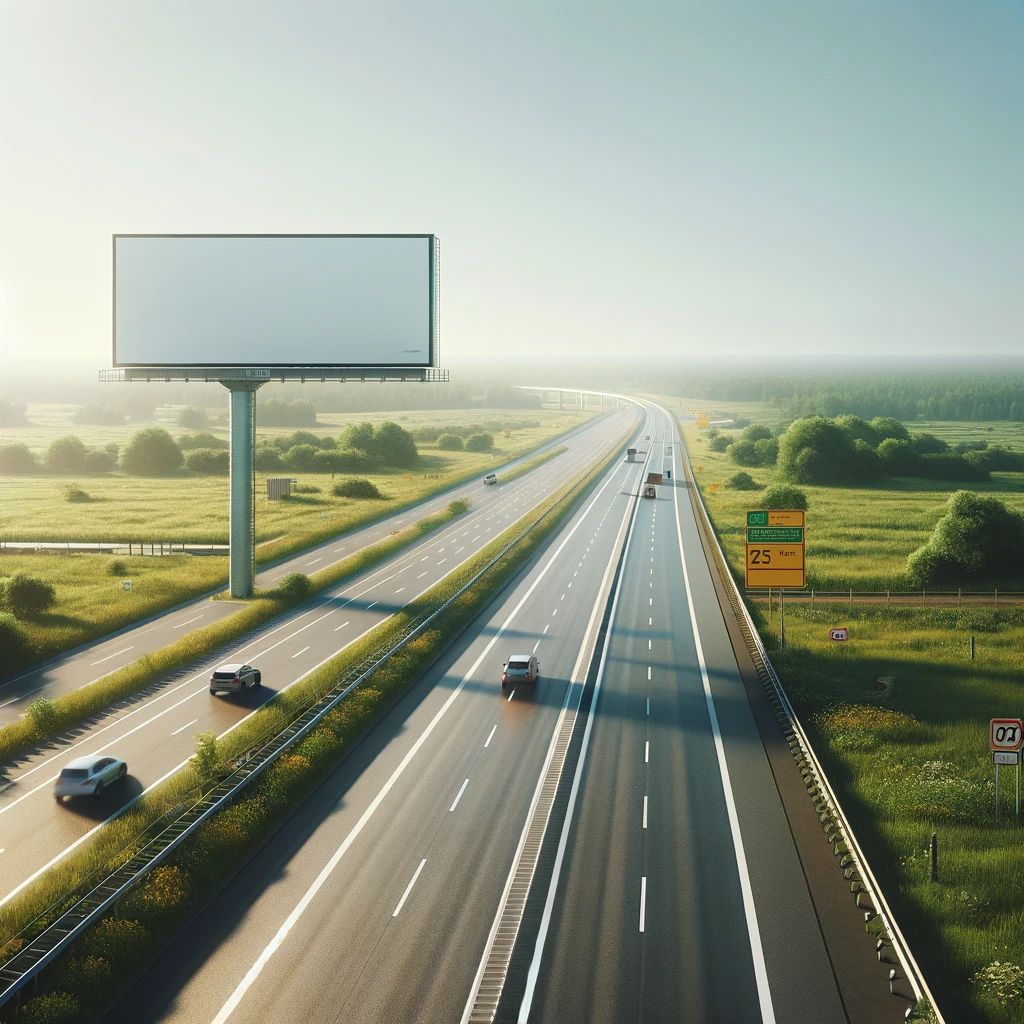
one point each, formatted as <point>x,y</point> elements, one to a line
<point>275,300</point>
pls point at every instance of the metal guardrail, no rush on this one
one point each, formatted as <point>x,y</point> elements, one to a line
<point>918,598</point>
<point>830,813</point>
<point>92,897</point>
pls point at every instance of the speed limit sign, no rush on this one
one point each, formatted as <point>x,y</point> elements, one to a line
<point>1005,733</point>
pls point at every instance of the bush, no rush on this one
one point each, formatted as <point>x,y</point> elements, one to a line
<point>194,419</point>
<point>14,642</point>
<point>303,437</point>
<point>98,460</point>
<point>117,567</point>
<point>301,458</point>
<point>65,455</point>
<point>52,1008</point>
<point>210,461</point>
<point>353,460</point>
<point>267,459</point>
<point>305,489</point>
<point>756,432</point>
<point>885,427</point>
<point>996,458</point>
<point>394,446</point>
<point>449,443</point>
<point>204,440</point>
<point>75,494</point>
<point>742,482</point>
<point>858,429</point>
<point>330,462</point>
<point>978,538</point>
<point>817,451</point>
<point>357,435</point>
<point>721,443</point>
<point>947,466</point>
<point>17,458</point>
<point>95,414</point>
<point>482,442</point>
<point>28,595</point>
<point>458,507</point>
<point>151,452</point>
<point>766,450</point>
<point>206,759</point>
<point>781,496</point>
<point>116,940</point>
<point>295,586</point>
<point>898,458</point>
<point>356,488</point>
<point>45,716</point>
<point>928,444</point>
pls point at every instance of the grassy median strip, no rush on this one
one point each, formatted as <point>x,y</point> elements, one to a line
<point>47,718</point>
<point>537,460</point>
<point>81,984</point>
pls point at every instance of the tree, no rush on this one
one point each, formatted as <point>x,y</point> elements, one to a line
<point>329,462</point>
<point>14,642</point>
<point>28,595</point>
<point>394,446</point>
<point>17,458</point>
<point>858,429</point>
<point>450,443</point>
<point>784,496</point>
<point>886,427</point>
<point>99,461</point>
<point>742,482</point>
<point>482,442</point>
<point>151,452</point>
<point>209,461</point>
<point>65,455</point>
<point>357,435</point>
<point>206,759</point>
<point>978,538</point>
<point>300,458</point>
<point>756,432</point>
<point>267,458</point>
<point>816,451</point>
<point>721,443</point>
<point>928,444</point>
<point>201,440</point>
<point>898,458</point>
<point>194,419</point>
<point>271,412</point>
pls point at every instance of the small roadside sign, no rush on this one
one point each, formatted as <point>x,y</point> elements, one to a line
<point>1006,757</point>
<point>839,633</point>
<point>126,584</point>
<point>1005,734</point>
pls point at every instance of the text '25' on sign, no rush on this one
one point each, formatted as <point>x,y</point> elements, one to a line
<point>1005,733</point>
<point>775,548</point>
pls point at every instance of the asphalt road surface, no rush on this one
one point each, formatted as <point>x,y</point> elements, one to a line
<point>155,732</point>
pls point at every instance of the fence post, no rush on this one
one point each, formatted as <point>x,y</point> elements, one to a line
<point>887,597</point>
<point>997,598</point>
<point>922,597</point>
<point>958,597</point>
<point>972,647</point>
<point>935,857</point>
<point>812,599</point>
<point>851,600</point>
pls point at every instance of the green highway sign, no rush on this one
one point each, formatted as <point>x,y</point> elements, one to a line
<point>757,519</point>
<point>775,535</point>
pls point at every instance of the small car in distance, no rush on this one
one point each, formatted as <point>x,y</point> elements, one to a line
<point>89,776</point>
<point>520,668</point>
<point>491,478</point>
<point>234,678</point>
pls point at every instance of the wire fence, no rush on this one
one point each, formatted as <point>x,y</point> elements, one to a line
<point>769,597</point>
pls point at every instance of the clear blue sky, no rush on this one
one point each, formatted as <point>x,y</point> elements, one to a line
<point>688,180</point>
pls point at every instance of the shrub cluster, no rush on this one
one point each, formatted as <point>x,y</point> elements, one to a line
<point>194,419</point>
<point>356,487</point>
<point>978,538</point>
<point>360,448</point>
<point>271,412</point>
<point>433,434</point>
<point>742,482</point>
<point>26,595</point>
<point>151,452</point>
<point>756,446</point>
<point>849,450</point>
<point>65,455</point>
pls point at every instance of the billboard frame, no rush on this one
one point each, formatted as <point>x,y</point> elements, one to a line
<point>286,371</point>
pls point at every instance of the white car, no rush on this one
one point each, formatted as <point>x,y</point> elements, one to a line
<point>520,668</point>
<point>234,678</point>
<point>89,776</point>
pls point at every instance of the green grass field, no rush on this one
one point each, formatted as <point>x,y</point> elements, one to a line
<point>856,536</point>
<point>90,602</point>
<point>915,761</point>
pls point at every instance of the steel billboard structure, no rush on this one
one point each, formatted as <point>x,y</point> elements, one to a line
<point>244,310</point>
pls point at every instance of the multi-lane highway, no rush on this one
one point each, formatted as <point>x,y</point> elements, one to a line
<point>677,891</point>
<point>154,733</point>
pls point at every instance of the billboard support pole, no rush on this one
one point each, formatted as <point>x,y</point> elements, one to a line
<point>242,539</point>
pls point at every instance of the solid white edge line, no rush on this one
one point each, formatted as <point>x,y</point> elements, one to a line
<point>275,943</point>
<point>749,910</point>
<point>549,903</point>
<point>408,888</point>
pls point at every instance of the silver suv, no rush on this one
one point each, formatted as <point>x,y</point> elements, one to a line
<point>520,668</point>
<point>234,678</point>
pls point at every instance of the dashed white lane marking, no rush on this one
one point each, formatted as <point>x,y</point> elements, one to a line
<point>463,548</point>
<point>554,613</point>
<point>650,622</point>
<point>643,900</point>
<point>114,655</point>
<point>648,672</point>
<point>303,651</point>
<point>371,604</point>
<point>184,727</point>
<point>647,753</point>
<point>422,574</point>
<point>458,796</point>
<point>648,705</point>
<point>645,815</point>
<point>195,618</point>
<point>408,889</point>
<point>315,560</point>
<point>652,601</point>
<point>547,627</point>
<point>535,646</point>
<point>490,735</point>
<point>648,645</point>
<point>399,590</point>
<point>342,626</point>
<point>511,695</point>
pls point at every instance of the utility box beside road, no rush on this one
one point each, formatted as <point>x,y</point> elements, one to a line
<point>279,487</point>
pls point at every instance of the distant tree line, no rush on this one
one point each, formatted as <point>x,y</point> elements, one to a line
<point>849,450</point>
<point>988,396</point>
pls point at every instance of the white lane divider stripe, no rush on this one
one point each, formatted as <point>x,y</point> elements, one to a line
<point>749,910</point>
<point>643,901</point>
<point>647,752</point>
<point>275,943</point>
<point>303,651</point>
<point>490,736</point>
<point>511,695</point>
<point>184,727</point>
<point>114,655</point>
<point>458,797</point>
<point>408,888</point>
<point>195,618</point>
<point>645,812</point>
<point>342,626</point>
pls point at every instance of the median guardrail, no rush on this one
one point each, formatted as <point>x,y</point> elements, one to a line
<point>830,813</point>
<point>65,920</point>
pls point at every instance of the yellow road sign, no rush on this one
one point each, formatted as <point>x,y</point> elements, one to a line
<point>776,517</point>
<point>796,578</point>
<point>775,556</point>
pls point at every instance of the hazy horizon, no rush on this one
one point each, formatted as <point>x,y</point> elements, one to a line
<point>730,186</point>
